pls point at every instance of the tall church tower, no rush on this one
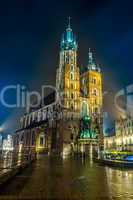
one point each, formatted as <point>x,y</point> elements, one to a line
<point>68,78</point>
<point>68,86</point>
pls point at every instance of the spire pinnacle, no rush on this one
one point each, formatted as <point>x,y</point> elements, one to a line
<point>69,22</point>
<point>90,56</point>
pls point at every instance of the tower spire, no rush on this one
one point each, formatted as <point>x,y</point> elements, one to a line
<point>69,22</point>
<point>90,56</point>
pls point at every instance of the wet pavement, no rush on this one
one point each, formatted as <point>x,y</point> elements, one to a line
<point>50,178</point>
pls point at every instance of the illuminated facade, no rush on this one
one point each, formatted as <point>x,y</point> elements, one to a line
<point>80,96</point>
<point>8,144</point>
<point>81,93</point>
<point>68,77</point>
<point>91,86</point>
<point>124,133</point>
<point>123,139</point>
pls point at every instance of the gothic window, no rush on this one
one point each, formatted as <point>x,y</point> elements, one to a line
<point>41,141</point>
<point>72,106</point>
<point>72,76</point>
<point>94,80</point>
<point>67,57</point>
<point>95,92</point>
<point>72,67</point>
<point>72,96</point>
<point>71,86</point>
<point>83,81</point>
<point>72,59</point>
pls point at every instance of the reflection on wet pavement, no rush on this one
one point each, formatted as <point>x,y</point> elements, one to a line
<point>70,179</point>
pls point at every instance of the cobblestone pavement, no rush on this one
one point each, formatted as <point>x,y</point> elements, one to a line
<point>69,179</point>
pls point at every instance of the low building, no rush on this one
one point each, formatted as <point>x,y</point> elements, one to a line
<point>124,133</point>
<point>123,139</point>
<point>109,143</point>
<point>35,134</point>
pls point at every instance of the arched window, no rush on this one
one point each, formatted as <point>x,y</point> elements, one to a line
<point>72,107</point>
<point>72,96</point>
<point>72,67</point>
<point>95,92</point>
<point>94,80</point>
<point>72,76</point>
<point>71,86</point>
<point>83,81</point>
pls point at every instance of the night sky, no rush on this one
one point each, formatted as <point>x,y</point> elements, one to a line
<point>30,32</point>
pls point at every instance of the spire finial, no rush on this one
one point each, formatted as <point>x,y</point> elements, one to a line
<point>69,22</point>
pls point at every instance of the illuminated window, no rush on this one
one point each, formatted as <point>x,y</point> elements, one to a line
<point>83,81</point>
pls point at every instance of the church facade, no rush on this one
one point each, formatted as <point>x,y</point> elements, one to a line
<point>81,92</point>
<point>80,98</point>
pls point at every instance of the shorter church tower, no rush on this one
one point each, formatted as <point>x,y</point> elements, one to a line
<point>91,86</point>
<point>91,103</point>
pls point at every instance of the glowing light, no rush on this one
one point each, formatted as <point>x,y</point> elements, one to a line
<point>20,147</point>
<point>129,158</point>
<point>8,144</point>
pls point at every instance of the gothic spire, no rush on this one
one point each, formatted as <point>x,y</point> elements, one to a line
<point>69,22</point>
